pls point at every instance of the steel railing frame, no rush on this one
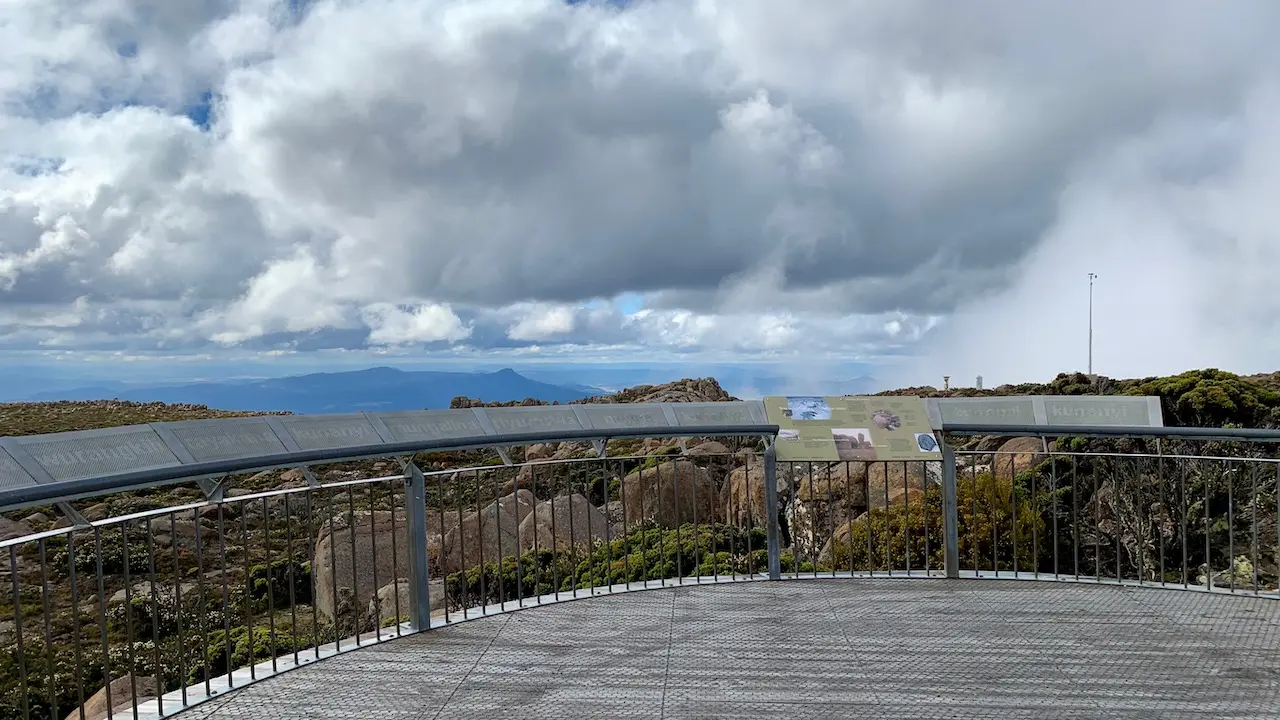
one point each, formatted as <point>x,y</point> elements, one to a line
<point>414,481</point>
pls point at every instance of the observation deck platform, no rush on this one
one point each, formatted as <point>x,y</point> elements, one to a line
<point>825,648</point>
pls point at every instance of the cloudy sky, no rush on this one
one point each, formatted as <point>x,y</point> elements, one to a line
<point>919,185</point>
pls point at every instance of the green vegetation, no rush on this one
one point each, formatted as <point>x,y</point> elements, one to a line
<point>646,553</point>
<point>69,415</point>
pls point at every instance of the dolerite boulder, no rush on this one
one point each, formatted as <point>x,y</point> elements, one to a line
<point>376,558</point>
<point>671,494</point>
<point>1016,456</point>
<point>122,692</point>
<point>488,535</point>
<point>826,495</point>
<point>742,497</point>
<point>565,521</point>
<point>10,529</point>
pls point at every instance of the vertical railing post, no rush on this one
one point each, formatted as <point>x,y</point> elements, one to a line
<point>950,513</point>
<point>419,592</point>
<point>771,511</point>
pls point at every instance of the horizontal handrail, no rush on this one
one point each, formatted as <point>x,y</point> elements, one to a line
<point>1101,431</point>
<point>21,497</point>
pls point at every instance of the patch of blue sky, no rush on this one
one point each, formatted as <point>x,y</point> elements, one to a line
<point>29,166</point>
<point>628,303</point>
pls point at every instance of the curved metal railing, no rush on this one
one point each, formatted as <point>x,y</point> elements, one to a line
<point>171,593</point>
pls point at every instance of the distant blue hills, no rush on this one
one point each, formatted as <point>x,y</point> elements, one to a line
<point>380,388</point>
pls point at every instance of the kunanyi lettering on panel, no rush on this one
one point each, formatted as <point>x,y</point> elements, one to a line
<point>11,473</point>
<point>72,456</point>
<point>709,414</point>
<point>532,419</point>
<point>333,431</point>
<point>418,425</point>
<point>987,411</point>
<point>623,416</point>
<point>1110,410</point>
<point>211,440</point>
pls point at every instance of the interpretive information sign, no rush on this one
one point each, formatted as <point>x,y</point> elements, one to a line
<point>853,427</point>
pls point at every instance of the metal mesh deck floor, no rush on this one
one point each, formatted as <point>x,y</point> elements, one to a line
<point>904,648</point>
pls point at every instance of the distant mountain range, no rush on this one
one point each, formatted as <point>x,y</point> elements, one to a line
<point>379,388</point>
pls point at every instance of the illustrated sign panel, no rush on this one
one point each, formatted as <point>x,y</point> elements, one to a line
<point>712,413</point>
<point>623,416</point>
<point>337,431</point>
<point>532,419</point>
<point>855,427</point>
<point>212,440</point>
<point>411,426</point>
<point>11,473</point>
<point>72,456</point>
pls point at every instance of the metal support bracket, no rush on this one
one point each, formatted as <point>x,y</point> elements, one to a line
<point>214,490</point>
<point>771,510</point>
<point>506,457</point>
<point>78,521</point>
<point>419,579</point>
<point>313,482</point>
<point>950,513</point>
<point>684,449</point>
<point>602,448</point>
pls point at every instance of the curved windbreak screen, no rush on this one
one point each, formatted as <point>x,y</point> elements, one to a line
<point>323,432</point>
<point>1126,411</point>
<point>228,439</point>
<point>423,425</point>
<point>11,473</point>
<point>542,418</point>
<point>986,411</point>
<point>1047,410</point>
<point>92,453</point>
<point>715,413</point>
<point>624,416</point>
<point>38,468</point>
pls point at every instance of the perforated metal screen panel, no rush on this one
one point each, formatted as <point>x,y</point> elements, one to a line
<point>212,440</point>
<point>625,416</point>
<point>73,456</point>
<point>12,476</point>
<point>695,414</point>
<point>323,432</point>
<point>532,419</point>
<point>411,426</point>
<point>1111,410</point>
<point>992,411</point>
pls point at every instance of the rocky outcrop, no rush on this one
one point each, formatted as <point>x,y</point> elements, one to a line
<point>671,494</point>
<point>562,522</point>
<point>338,567</point>
<point>395,596</point>
<point>886,482</point>
<point>826,495</point>
<point>686,390</point>
<point>742,497</point>
<point>1027,452</point>
<point>709,448</point>
<point>841,537</point>
<point>10,529</point>
<point>122,698</point>
<point>487,535</point>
